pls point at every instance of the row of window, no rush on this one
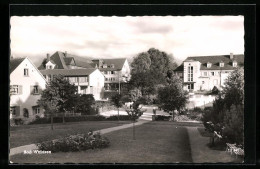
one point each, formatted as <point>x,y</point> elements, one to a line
<point>221,64</point>
<point>212,73</point>
<point>109,72</point>
<point>108,66</point>
<point>15,111</point>
<point>110,79</point>
<point>18,89</point>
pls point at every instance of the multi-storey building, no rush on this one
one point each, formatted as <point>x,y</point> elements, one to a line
<point>78,70</point>
<point>116,72</point>
<point>201,73</point>
<point>26,84</point>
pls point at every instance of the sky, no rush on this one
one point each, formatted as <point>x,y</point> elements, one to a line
<point>125,37</point>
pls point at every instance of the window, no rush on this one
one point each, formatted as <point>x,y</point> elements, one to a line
<point>12,110</point>
<point>190,86</point>
<point>221,64</point>
<point>108,72</point>
<point>83,79</point>
<point>212,73</point>
<point>36,110</point>
<point>234,64</point>
<point>106,79</point>
<point>14,89</point>
<point>112,72</point>
<point>105,72</point>
<point>190,73</point>
<point>26,72</point>
<point>36,89</point>
<point>112,66</point>
<point>205,73</point>
<point>104,65</point>
<point>208,65</point>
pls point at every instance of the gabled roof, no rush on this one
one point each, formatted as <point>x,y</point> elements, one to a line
<point>14,63</point>
<point>62,61</point>
<point>68,72</point>
<point>118,64</point>
<point>179,68</point>
<point>215,60</point>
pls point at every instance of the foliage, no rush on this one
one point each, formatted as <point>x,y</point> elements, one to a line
<point>227,113</point>
<point>150,69</point>
<point>79,142</point>
<point>116,100</point>
<point>122,118</point>
<point>233,91</point>
<point>85,103</point>
<point>172,97</point>
<point>234,124</point>
<point>162,118</point>
<point>215,91</point>
<point>59,95</point>
<point>18,121</point>
<point>136,111</point>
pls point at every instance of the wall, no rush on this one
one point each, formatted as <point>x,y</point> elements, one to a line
<point>96,80</point>
<point>26,99</point>
<point>199,100</point>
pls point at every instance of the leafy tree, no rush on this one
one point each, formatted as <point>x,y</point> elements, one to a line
<point>135,112</point>
<point>172,96</point>
<point>117,102</point>
<point>150,70</point>
<point>85,103</point>
<point>59,96</point>
<point>141,63</point>
<point>233,90</point>
<point>215,91</point>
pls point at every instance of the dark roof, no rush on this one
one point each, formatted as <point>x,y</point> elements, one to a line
<point>118,64</point>
<point>179,68</point>
<point>68,72</point>
<point>14,63</point>
<point>215,60</point>
<point>61,61</point>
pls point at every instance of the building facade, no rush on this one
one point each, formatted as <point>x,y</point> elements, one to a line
<point>115,73</point>
<point>201,74</point>
<point>87,81</point>
<point>26,84</point>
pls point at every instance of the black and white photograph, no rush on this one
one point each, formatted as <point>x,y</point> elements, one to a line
<point>127,89</point>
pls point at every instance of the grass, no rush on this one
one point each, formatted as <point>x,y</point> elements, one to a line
<point>156,142</point>
<point>29,134</point>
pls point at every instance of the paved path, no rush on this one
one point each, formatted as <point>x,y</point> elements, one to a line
<point>201,153</point>
<point>21,149</point>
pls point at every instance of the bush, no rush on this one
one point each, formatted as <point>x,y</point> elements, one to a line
<point>18,121</point>
<point>162,118</point>
<point>79,142</point>
<point>121,117</point>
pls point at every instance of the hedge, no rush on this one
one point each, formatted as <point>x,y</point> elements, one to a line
<point>80,118</point>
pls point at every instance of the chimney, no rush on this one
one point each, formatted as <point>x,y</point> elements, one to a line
<point>65,54</point>
<point>231,56</point>
<point>48,57</point>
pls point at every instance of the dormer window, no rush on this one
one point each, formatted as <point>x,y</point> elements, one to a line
<point>221,64</point>
<point>104,65</point>
<point>234,63</point>
<point>208,65</point>
<point>112,65</point>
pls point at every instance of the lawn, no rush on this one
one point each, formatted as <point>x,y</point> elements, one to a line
<point>29,134</point>
<point>156,142</point>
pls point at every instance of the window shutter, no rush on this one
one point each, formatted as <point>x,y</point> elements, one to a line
<point>31,90</point>
<point>20,89</point>
<point>17,110</point>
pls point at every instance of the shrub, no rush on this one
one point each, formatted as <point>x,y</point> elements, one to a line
<point>121,117</point>
<point>79,142</point>
<point>162,118</point>
<point>18,121</point>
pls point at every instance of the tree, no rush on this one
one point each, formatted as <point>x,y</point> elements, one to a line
<point>233,91</point>
<point>116,101</point>
<point>59,96</point>
<point>85,103</point>
<point>150,70</point>
<point>135,112</point>
<point>172,97</point>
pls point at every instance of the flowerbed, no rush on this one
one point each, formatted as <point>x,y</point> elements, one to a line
<point>79,142</point>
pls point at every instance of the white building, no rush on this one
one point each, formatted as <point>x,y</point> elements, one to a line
<point>26,84</point>
<point>201,74</point>
<point>88,81</point>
